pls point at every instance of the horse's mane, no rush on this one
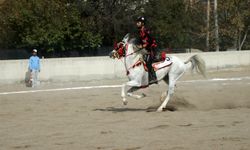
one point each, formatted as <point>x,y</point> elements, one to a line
<point>133,41</point>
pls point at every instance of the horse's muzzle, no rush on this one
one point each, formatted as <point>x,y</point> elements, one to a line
<point>112,54</point>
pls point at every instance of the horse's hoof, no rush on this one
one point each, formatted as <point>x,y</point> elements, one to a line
<point>125,102</point>
<point>144,95</point>
<point>159,110</point>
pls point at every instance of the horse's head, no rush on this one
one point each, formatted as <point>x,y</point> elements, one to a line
<point>118,51</point>
<point>127,47</point>
<point>120,48</point>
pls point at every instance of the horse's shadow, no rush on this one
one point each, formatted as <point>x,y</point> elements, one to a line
<point>123,109</point>
<point>116,109</point>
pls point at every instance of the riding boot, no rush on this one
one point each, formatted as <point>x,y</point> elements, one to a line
<point>151,73</point>
<point>152,76</point>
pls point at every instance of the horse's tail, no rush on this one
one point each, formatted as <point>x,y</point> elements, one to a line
<point>198,64</point>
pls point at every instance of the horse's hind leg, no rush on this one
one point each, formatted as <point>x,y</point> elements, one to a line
<point>164,94</point>
<point>172,78</point>
<point>166,79</point>
<point>169,94</point>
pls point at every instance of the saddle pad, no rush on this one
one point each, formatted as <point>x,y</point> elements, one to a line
<point>162,64</point>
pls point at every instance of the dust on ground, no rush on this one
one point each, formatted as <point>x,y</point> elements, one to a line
<point>209,114</point>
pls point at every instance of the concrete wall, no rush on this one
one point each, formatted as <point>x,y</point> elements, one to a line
<point>97,68</point>
<point>222,60</point>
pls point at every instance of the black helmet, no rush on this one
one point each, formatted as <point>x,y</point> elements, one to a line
<point>141,19</point>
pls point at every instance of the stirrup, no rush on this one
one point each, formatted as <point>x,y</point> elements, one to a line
<point>154,81</point>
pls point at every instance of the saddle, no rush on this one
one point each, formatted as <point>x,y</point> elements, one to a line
<point>162,62</point>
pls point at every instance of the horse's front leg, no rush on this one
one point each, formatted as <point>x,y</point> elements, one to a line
<point>133,89</point>
<point>134,86</point>
<point>123,94</point>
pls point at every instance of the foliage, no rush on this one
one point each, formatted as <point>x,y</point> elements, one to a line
<point>50,25</point>
<point>234,22</point>
<point>84,25</point>
<point>179,24</point>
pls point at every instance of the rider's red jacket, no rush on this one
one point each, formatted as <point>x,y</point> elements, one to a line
<point>147,39</point>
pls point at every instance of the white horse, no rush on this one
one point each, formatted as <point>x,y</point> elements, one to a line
<point>169,70</point>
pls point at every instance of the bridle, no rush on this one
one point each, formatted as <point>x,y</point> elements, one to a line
<point>124,46</point>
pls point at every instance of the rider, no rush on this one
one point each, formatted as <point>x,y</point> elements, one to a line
<point>149,43</point>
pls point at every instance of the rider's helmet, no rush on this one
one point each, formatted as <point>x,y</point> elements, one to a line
<point>141,19</point>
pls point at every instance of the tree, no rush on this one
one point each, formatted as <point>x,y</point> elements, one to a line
<point>84,25</point>
<point>175,24</point>
<point>50,25</point>
<point>234,16</point>
<point>112,18</point>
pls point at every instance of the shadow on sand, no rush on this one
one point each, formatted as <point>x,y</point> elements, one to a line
<point>149,109</point>
<point>114,109</point>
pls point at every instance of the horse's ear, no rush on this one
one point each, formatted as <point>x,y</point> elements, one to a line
<point>126,38</point>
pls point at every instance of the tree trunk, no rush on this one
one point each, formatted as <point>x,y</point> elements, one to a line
<point>244,38</point>
<point>236,39</point>
<point>216,26</point>
<point>239,39</point>
<point>208,25</point>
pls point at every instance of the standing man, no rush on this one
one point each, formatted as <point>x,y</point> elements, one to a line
<point>34,67</point>
<point>149,43</point>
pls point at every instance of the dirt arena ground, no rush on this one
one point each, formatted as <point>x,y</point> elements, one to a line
<point>211,114</point>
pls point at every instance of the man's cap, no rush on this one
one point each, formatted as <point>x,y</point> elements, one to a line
<point>34,50</point>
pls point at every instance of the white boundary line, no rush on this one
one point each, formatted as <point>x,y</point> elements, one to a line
<point>219,79</point>
<point>116,86</point>
<point>61,89</point>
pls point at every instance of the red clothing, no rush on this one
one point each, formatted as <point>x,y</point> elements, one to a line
<point>147,39</point>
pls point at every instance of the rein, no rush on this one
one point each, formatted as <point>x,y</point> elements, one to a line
<point>126,47</point>
<point>134,52</point>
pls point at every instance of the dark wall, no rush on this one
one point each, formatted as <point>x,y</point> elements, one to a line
<point>6,54</point>
<point>14,54</point>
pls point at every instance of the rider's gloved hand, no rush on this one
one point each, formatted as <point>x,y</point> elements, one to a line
<point>120,44</point>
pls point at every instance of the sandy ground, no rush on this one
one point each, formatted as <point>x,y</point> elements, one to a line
<point>209,115</point>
